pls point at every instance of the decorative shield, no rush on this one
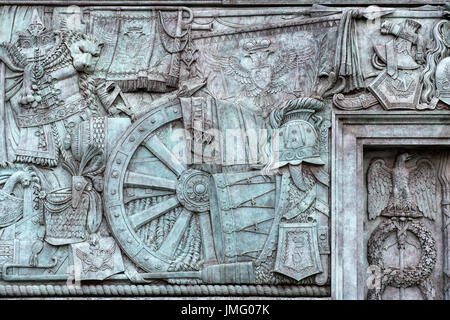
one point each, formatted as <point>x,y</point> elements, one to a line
<point>443,80</point>
<point>298,253</point>
<point>97,261</point>
<point>403,92</point>
<point>262,76</point>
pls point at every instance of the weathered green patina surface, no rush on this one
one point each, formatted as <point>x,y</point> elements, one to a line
<point>181,148</point>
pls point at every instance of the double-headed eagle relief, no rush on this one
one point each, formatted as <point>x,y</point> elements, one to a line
<point>186,151</point>
<point>261,76</point>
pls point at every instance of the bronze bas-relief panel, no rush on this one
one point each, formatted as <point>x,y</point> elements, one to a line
<point>404,224</point>
<point>186,151</point>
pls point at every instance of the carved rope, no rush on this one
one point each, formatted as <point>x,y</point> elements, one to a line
<point>173,290</point>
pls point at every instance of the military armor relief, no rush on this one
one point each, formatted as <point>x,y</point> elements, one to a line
<point>193,150</point>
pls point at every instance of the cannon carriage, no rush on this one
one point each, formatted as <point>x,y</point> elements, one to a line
<point>171,212</point>
<point>192,188</point>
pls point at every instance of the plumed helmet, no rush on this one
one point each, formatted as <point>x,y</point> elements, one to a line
<point>295,138</point>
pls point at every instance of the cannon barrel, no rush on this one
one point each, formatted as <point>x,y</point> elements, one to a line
<point>228,273</point>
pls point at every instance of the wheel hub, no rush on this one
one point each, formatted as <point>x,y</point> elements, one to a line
<point>193,190</point>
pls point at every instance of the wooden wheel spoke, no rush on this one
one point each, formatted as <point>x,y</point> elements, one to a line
<point>141,180</point>
<point>170,244</point>
<point>159,150</point>
<point>141,218</point>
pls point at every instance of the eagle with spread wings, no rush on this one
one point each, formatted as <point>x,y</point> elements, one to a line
<point>401,191</point>
<point>98,259</point>
<point>261,80</point>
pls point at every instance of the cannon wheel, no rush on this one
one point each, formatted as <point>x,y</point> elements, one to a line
<point>188,189</point>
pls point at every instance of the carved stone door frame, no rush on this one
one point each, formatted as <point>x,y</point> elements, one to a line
<point>351,132</point>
